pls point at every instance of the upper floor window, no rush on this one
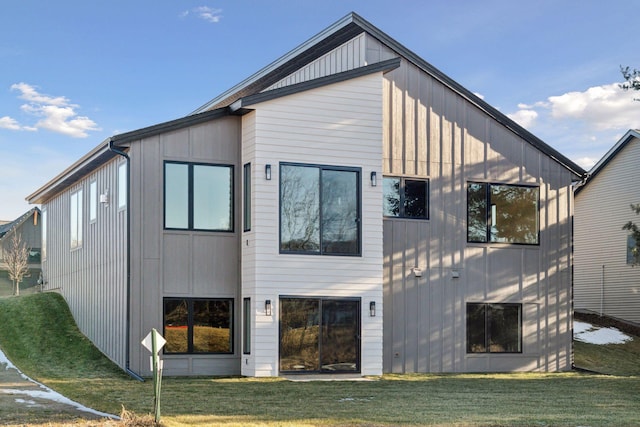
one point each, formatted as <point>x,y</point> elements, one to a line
<point>93,201</point>
<point>494,328</point>
<point>501,213</point>
<point>122,185</point>
<point>43,230</point>
<point>405,197</point>
<point>319,210</point>
<point>198,196</point>
<point>246,197</point>
<point>76,219</point>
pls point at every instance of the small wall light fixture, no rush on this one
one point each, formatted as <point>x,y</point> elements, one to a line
<point>372,309</point>
<point>267,307</point>
<point>267,172</point>
<point>374,179</point>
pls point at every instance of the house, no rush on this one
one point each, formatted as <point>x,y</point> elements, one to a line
<point>346,209</point>
<point>605,279</point>
<point>28,227</point>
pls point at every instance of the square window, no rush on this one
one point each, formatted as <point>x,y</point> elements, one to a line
<point>405,197</point>
<point>501,213</point>
<point>198,197</point>
<point>494,328</point>
<point>319,210</point>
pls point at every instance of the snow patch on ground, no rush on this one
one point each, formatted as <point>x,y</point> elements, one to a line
<point>592,334</point>
<point>44,392</point>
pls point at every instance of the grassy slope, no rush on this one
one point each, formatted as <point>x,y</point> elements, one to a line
<point>38,334</point>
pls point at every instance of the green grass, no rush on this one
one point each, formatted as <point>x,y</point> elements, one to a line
<point>37,333</point>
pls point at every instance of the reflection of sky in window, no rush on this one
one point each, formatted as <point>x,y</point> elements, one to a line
<point>176,208</point>
<point>211,197</point>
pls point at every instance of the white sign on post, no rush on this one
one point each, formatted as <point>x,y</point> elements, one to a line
<point>147,342</point>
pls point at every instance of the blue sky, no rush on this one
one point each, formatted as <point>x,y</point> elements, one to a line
<point>74,72</point>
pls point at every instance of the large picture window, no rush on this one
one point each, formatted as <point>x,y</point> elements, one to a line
<point>198,325</point>
<point>501,213</point>
<point>494,328</point>
<point>75,219</point>
<point>405,197</point>
<point>319,210</point>
<point>198,197</point>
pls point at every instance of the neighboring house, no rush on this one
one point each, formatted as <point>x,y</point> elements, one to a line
<point>28,228</point>
<point>348,208</point>
<point>605,279</point>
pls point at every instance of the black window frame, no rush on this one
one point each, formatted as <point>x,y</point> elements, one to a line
<point>190,197</point>
<point>320,252</point>
<point>246,326</point>
<point>488,213</point>
<point>190,324</point>
<point>402,194</point>
<point>487,328</point>
<point>246,197</point>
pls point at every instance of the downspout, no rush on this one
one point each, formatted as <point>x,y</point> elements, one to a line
<point>128,304</point>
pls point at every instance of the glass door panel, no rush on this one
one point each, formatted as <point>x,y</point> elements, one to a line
<point>299,334</point>
<point>340,336</point>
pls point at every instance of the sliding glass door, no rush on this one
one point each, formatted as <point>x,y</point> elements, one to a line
<point>319,334</point>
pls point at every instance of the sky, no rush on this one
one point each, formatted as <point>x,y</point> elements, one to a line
<point>73,73</point>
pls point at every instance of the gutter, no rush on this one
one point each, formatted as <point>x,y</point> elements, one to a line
<point>128,307</point>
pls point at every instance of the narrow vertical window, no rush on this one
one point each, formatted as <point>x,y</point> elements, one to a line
<point>122,185</point>
<point>93,201</point>
<point>44,234</point>
<point>246,326</point>
<point>176,195</point>
<point>247,197</point>
<point>76,219</point>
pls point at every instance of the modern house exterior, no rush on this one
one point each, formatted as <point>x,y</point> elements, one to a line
<point>28,227</point>
<point>346,209</point>
<point>606,280</point>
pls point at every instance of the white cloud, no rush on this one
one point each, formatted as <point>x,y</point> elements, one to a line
<point>58,114</point>
<point>7,122</point>
<point>586,162</point>
<point>601,107</point>
<point>206,13</point>
<point>525,117</point>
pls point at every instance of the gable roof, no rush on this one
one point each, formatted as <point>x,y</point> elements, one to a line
<point>5,228</point>
<point>252,90</point>
<point>609,156</point>
<point>345,29</point>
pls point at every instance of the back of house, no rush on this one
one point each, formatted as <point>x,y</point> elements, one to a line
<point>347,209</point>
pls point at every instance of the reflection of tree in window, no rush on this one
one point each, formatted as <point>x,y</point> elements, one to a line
<point>514,214</point>
<point>494,328</point>
<point>391,202</point>
<point>415,197</point>
<point>299,208</point>
<point>339,212</point>
<point>477,212</point>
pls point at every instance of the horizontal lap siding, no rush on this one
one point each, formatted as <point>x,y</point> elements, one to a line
<point>604,282</point>
<point>432,132</point>
<point>338,125</point>
<point>92,278</point>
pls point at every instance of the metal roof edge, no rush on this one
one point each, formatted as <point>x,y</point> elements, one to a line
<point>470,96</point>
<point>40,194</point>
<point>382,66</point>
<point>609,156</point>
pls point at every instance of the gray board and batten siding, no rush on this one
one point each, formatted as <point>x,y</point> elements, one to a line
<point>431,131</point>
<point>182,263</point>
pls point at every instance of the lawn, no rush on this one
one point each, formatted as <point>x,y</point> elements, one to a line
<point>49,347</point>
